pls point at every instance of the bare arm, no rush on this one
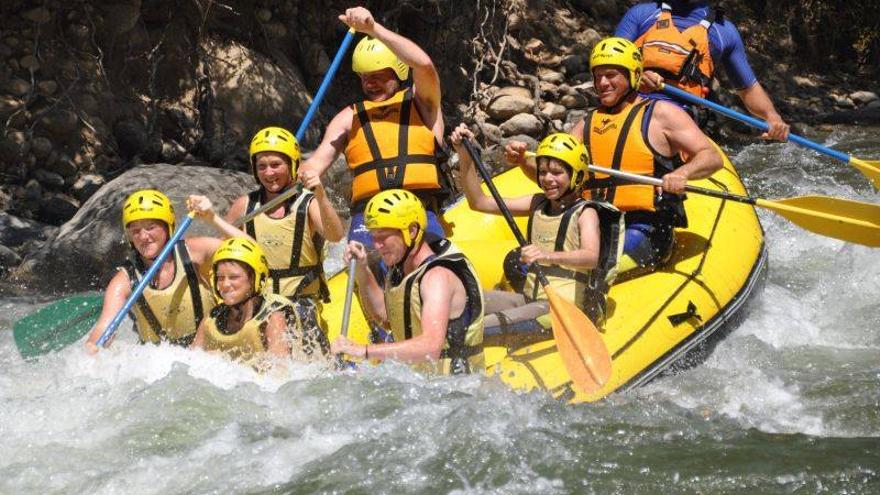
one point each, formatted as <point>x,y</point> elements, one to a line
<point>276,327</point>
<point>426,80</point>
<point>671,132</point>
<point>204,210</point>
<point>199,340</point>
<point>476,198</point>
<point>323,218</point>
<point>371,294</point>
<point>758,102</point>
<point>236,209</point>
<point>334,142</point>
<point>115,295</point>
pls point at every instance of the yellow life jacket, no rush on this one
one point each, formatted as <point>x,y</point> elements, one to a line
<point>390,147</point>
<point>293,251</point>
<point>561,232</point>
<point>620,141</point>
<point>683,58</point>
<point>463,350</point>
<point>250,339</point>
<point>172,313</point>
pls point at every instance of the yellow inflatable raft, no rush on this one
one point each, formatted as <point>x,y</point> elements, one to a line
<point>672,316</point>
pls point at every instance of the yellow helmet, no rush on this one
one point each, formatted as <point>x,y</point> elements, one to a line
<point>278,140</point>
<point>371,55</point>
<point>247,252</point>
<point>619,52</point>
<point>565,147</point>
<point>148,204</point>
<point>396,209</point>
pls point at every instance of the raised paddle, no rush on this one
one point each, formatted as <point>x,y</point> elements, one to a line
<point>844,219</point>
<point>870,168</point>
<point>346,308</point>
<point>581,348</point>
<point>301,131</point>
<point>154,268</point>
<point>57,325</point>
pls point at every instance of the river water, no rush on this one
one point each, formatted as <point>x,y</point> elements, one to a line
<point>789,403</point>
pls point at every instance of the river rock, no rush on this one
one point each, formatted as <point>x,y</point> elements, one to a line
<point>29,62</point>
<point>86,186</point>
<point>18,87</point>
<point>841,101</point>
<point>576,100</point>
<point>47,88</point>
<point>550,76</point>
<point>863,97</point>
<point>514,91</point>
<point>504,107</point>
<point>524,123</point>
<point>8,259</point>
<point>39,15</point>
<point>553,110</point>
<point>576,64</point>
<point>59,123</point>
<point>121,17</point>
<point>15,231</point>
<point>41,147</point>
<point>50,179</point>
<point>10,151</point>
<point>90,245</point>
<point>63,166</point>
<point>131,137</point>
<point>56,208</point>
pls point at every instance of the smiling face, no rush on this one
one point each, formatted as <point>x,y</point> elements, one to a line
<point>389,243</point>
<point>273,170</point>
<point>148,236</point>
<point>235,281</point>
<point>611,83</point>
<point>379,85</point>
<point>554,177</point>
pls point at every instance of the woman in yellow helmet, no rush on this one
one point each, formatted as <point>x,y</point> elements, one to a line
<point>177,298</point>
<point>292,235</point>
<point>576,242</point>
<point>248,321</point>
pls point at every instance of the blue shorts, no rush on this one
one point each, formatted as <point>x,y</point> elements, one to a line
<point>648,243</point>
<point>358,232</point>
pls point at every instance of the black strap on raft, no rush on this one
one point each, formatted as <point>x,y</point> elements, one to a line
<point>194,291</point>
<point>390,172</point>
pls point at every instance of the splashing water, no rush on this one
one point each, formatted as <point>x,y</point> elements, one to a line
<point>789,403</point>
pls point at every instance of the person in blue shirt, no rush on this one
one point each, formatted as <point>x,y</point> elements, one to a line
<point>682,41</point>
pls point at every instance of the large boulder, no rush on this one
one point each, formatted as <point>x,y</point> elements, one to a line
<point>83,254</point>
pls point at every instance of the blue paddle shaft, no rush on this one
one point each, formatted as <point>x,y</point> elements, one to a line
<point>760,124</point>
<point>136,293</point>
<point>328,78</point>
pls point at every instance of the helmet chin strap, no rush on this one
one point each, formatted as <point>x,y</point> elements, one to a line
<point>406,253</point>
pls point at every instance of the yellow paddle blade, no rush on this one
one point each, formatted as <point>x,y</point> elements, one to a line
<point>580,346</point>
<point>871,169</point>
<point>844,219</point>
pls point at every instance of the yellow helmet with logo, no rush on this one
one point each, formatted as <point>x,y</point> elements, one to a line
<point>565,147</point>
<point>371,55</point>
<point>245,251</point>
<point>148,204</point>
<point>619,52</point>
<point>278,140</point>
<point>396,209</point>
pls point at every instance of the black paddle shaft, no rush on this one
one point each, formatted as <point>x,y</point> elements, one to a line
<point>481,168</point>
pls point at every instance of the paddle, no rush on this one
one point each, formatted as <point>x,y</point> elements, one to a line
<point>57,325</point>
<point>346,309</point>
<point>301,131</point>
<point>844,219</point>
<point>154,268</point>
<point>581,348</point>
<point>870,168</point>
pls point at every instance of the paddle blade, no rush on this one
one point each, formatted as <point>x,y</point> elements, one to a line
<point>844,219</point>
<point>57,325</point>
<point>580,346</point>
<point>870,168</point>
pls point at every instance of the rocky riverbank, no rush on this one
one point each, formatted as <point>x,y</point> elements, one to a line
<point>89,90</point>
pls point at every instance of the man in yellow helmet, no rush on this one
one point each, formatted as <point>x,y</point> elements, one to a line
<point>292,234</point>
<point>641,136</point>
<point>431,300</point>
<point>390,140</point>
<point>178,296</point>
